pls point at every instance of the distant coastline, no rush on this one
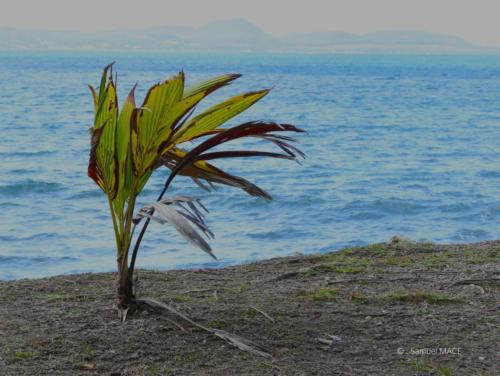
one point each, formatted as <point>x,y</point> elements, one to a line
<point>236,36</point>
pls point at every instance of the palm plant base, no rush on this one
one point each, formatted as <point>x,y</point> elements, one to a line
<point>125,293</point>
<point>127,302</point>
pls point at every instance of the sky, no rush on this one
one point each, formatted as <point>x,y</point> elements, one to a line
<point>474,20</point>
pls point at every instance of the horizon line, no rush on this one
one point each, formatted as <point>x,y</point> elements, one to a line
<point>65,30</point>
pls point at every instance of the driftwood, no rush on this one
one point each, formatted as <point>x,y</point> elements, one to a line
<point>242,343</point>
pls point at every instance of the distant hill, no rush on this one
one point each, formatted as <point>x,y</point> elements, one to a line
<point>383,41</point>
<point>232,36</point>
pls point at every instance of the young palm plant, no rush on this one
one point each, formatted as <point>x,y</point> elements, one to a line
<point>127,146</point>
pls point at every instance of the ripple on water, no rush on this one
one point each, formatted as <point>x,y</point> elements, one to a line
<point>29,154</point>
<point>40,236</point>
<point>29,261</point>
<point>29,187</point>
<point>471,234</point>
<point>6,205</point>
<point>282,233</point>
<point>490,174</point>
<point>360,209</point>
<point>457,207</point>
<point>95,193</point>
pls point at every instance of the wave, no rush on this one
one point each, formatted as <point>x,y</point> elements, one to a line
<point>471,234</point>
<point>21,260</point>
<point>22,171</point>
<point>285,233</point>
<point>40,236</point>
<point>489,174</point>
<point>6,205</point>
<point>87,194</point>
<point>29,186</point>
<point>364,209</point>
<point>40,153</point>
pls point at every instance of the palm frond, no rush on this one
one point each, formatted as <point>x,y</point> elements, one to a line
<point>150,125</point>
<point>249,129</point>
<point>181,212</point>
<point>217,115</point>
<point>201,170</point>
<point>210,85</point>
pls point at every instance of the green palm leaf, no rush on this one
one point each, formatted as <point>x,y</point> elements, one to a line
<point>210,85</point>
<point>217,115</point>
<point>122,153</point>
<point>151,126</point>
<point>103,158</point>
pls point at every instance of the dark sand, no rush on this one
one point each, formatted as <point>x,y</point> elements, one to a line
<point>437,304</point>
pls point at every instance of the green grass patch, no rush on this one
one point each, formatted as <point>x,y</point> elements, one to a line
<point>342,263</point>
<point>430,368</point>
<point>249,314</point>
<point>20,356</point>
<point>54,297</point>
<point>182,298</point>
<point>377,248</point>
<point>350,270</point>
<point>422,296</point>
<point>318,269</point>
<point>402,261</point>
<point>489,319</point>
<point>87,351</point>
<point>482,256</point>
<point>217,324</point>
<point>211,299</point>
<point>241,288</point>
<point>357,297</point>
<point>325,293</point>
<point>440,260</point>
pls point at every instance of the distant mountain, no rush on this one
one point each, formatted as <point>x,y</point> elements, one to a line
<point>382,41</point>
<point>232,36</point>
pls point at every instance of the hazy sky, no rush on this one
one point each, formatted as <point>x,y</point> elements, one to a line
<point>474,20</point>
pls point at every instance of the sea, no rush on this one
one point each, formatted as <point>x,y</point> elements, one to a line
<point>395,144</point>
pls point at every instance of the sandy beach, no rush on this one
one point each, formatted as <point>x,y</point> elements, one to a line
<point>399,308</point>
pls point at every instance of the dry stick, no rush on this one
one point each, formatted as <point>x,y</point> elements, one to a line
<point>186,292</point>
<point>237,341</point>
<point>263,313</point>
<point>179,326</point>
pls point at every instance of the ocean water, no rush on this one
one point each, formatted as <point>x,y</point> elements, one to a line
<point>396,145</point>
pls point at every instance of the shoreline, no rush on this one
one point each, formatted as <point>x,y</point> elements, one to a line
<point>232,263</point>
<point>392,308</point>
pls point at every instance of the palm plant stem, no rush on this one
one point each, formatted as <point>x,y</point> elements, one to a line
<point>115,225</point>
<point>145,226</point>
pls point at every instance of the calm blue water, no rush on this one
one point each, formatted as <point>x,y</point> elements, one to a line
<point>396,145</point>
